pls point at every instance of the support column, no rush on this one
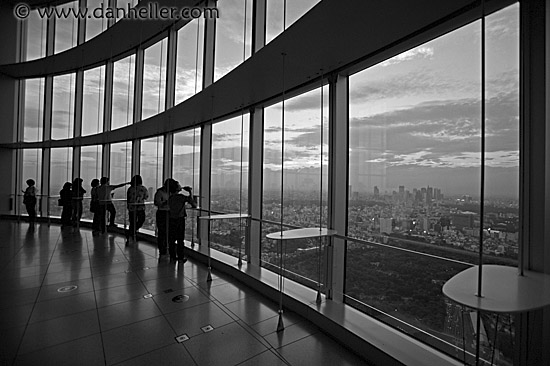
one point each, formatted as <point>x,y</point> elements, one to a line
<point>255,184</point>
<point>259,11</point>
<point>338,184</point>
<point>533,329</point>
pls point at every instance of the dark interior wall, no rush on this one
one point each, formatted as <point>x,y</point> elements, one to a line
<point>9,39</point>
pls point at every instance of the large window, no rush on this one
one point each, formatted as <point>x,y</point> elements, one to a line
<point>120,172</point>
<point>123,92</point>
<point>277,20</point>
<point>33,113</point>
<point>36,36</point>
<point>233,35</point>
<point>31,169</point>
<point>63,106</point>
<point>154,79</point>
<point>415,177</point>
<point>189,60</point>
<point>300,200</point>
<point>229,181</point>
<point>66,27</point>
<point>61,164</point>
<point>93,101</point>
<point>186,169</point>
<point>90,168</point>
<point>151,164</point>
<point>96,25</point>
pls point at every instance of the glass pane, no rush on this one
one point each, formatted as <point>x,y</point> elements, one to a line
<point>32,169</point>
<point>36,36</point>
<point>124,5</point>
<point>501,219</point>
<point>229,182</point>
<point>123,92</point>
<point>96,25</point>
<point>63,106</point>
<point>154,79</point>
<point>304,194</point>
<point>186,170</point>
<point>93,100</point>
<point>90,168</point>
<point>33,114</point>
<point>151,167</point>
<point>276,17</point>
<point>66,27</point>
<point>189,60</point>
<point>121,170</point>
<point>233,35</point>
<point>61,171</point>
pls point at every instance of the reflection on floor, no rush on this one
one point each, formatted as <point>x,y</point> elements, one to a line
<point>71,298</point>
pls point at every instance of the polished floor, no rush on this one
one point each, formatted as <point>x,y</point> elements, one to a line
<point>71,298</point>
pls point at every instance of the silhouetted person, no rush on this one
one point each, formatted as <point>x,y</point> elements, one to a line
<point>94,206</point>
<point>136,196</point>
<point>29,200</point>
<point>162,214</point>
<point>66,201</point>
<point>105,202</point>
<point>78,197</point>
<point>176,233</point>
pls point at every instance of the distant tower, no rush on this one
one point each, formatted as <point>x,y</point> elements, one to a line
<point>402,193</point>
<point>376,191</point>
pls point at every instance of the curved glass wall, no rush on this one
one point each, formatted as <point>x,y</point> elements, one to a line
<point>66,27</point>
<point>93,101</point>
<point>282,13</point>
<point>122,111</point>
<point>63,107</point>
<point>229,182</point>
<point>35,44</point>
<point>190,50</point>
<point>33,110</point>
<point>302,197</point>
<point>151,167</point>
<point>154,79</point>
<point>233,35</point>
<point>415,163</point>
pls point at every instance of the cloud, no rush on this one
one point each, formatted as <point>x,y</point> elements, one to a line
<point>424,52</point>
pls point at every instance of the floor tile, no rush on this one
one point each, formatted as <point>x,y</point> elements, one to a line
<point>290,334</point>
<point>9,343</point>
<point>319,350</point>
<point>51,309</point>
<point>170,302</point>
<point>266,358</point>
<point>137,339</point>
<point>190,321</point>
<point>228,345</point>
<point>251,310</point>
<point>21,297</point>
<point>128,312</point>
<point>172,355</point>
<point>55,291</point>
<point>113,295</point>
<point>59,330</point>
<point>15,316</point>
<point>87,351</point>
<point>162,285</point>
<point>115,280</point>
<point>227,292</point>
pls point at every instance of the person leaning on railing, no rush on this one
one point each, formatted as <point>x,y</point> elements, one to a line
<point>104,192</point>
<point>78,196</point>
